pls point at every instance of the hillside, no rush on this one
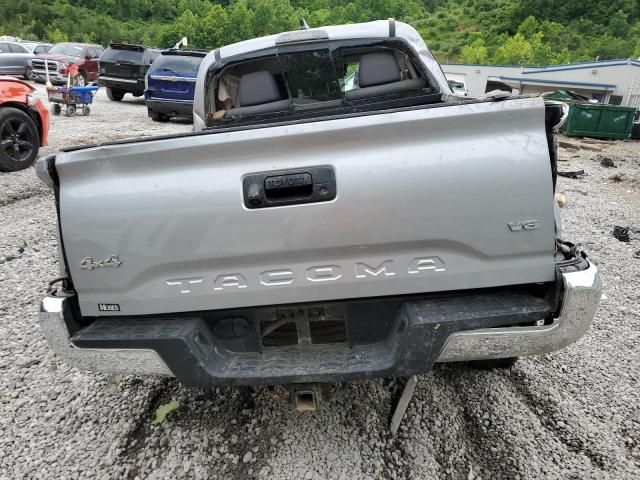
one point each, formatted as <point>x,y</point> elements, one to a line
<point>533,32</point>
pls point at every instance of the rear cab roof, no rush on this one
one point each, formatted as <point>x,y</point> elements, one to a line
<point>380,29</point>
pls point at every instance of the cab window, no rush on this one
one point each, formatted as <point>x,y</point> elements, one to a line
<point>311,77</point>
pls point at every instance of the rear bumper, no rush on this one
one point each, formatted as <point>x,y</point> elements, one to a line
<point>170,107</point>
<point>185,347</point>
<point>130,85</point>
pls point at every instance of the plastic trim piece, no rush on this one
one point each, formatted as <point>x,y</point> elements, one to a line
<point>582,291</point>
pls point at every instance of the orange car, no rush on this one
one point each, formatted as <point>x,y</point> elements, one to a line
<point>24,124</point>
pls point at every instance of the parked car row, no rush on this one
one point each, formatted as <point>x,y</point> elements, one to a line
<point>166,78</point>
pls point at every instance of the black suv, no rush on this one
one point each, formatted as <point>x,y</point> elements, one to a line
<point>123,68</point>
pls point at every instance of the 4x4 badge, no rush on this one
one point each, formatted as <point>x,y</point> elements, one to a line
<point>111,261</point>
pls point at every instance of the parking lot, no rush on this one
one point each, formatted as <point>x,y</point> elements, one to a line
<point>573,414</point>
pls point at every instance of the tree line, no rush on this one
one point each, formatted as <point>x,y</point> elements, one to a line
<point>520,32</point>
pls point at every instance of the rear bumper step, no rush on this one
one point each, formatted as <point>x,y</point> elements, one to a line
<point>419,333</point>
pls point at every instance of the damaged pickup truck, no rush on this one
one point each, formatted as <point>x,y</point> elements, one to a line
<point>337,214</point>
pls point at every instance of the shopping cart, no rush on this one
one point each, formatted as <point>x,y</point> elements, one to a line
<point>71,98</point>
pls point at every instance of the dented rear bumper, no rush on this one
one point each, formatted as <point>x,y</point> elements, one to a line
<point>420,336</point>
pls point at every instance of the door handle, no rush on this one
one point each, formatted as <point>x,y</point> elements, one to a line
<point>289,187</point>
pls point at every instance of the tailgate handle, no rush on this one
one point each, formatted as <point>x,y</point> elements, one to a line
<point>291,187</point>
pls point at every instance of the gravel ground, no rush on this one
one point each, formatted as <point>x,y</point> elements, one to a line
<point>573,414</point>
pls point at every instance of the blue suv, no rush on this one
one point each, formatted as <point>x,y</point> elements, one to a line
<point>170,84</point>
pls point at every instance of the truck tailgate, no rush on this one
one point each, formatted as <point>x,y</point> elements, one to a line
<point>434,199</point>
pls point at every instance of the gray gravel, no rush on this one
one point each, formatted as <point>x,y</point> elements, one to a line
<point>573,414</point>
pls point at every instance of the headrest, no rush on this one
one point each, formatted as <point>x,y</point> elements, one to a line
<point>257,88</point>
<point>377,69</point>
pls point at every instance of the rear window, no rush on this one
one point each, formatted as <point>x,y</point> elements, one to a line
<point>122,55</point>
<point>298,81</point>
<point>177,64</point>
<point>311,77</point>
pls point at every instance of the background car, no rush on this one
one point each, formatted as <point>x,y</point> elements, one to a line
<point>14,58</point>
<point>84,55</point>
<point>24,124</point>
<point>37,47</point>
<point>171,84</point>
<point>123,68</point>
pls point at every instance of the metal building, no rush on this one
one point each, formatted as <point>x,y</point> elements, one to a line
<point>610,81</point>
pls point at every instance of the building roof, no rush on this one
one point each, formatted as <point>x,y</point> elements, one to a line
<point>549,81</point>
<point>528,69</point>
<point>581,65</point>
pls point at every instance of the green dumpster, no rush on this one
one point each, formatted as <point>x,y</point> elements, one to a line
<point>601,121</point>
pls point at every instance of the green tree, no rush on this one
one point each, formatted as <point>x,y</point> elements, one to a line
<point>475,52</point>
<point>515,51</point>
<point>529,27</point>
<point>56,36</point>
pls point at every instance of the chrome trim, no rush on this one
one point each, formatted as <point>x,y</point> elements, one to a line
<point>170,100</point>
<point>582,292</point>
<point>173,79</point>
<point>129,361</point>
<point>117,79</point>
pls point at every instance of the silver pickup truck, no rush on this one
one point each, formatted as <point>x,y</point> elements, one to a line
<point>337,214</point>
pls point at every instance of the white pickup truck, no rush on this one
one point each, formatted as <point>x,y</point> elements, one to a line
<point>337,214</point>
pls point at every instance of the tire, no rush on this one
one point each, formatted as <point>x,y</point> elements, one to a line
<point>19,140</point>
<point>114,94</point>
<point>86,111</point>
<point>494,363</point>
<point>56,108</point>
<point>70,110</point>
<point>159,117</point>
<point>80,80</point>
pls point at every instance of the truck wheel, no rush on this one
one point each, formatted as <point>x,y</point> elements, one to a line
<point>494,363</point>
<point>70,111</point>
<point>19,140</point>
<point>56,108</point>
<point>159,117</point>
<point>86,111</point>
<point>114,94</point>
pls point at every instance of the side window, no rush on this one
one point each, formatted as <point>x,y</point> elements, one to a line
<point>15,48</point>
<point>4,48</point>
<point>311,77</point>
<point>93,53</point>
